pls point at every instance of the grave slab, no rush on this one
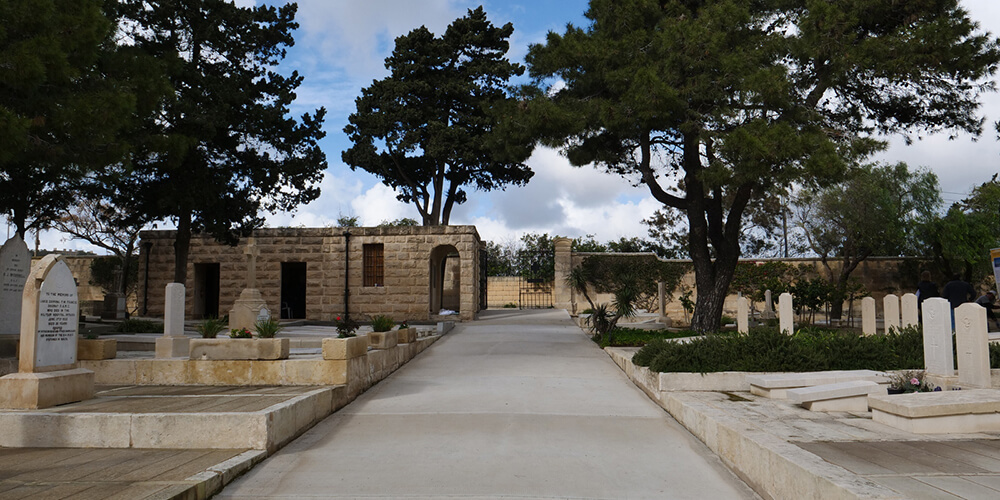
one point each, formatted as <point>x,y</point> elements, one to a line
<point>944,412</point>
<point>776,385</point>
<point>841,396</point>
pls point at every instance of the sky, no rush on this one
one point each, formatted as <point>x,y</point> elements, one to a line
<point>340,48</point>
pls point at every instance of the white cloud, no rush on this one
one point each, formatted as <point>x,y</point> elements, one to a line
<point>379,204</point>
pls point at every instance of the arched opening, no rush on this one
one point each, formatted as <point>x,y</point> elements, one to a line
<point>446,279</point>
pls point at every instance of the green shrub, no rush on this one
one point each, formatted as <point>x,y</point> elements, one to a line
<point>267,328</point>
<point>346,327</point>
<point>139,326</point>
<point>510,305</point>
<point>382,323</point>
<point>210,328</point>
<point>765,349</point>
<point>635,337</point>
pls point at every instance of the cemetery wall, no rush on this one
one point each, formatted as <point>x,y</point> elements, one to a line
<point>411,256</point>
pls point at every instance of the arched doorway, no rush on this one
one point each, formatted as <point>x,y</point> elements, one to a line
<point>446,279</point>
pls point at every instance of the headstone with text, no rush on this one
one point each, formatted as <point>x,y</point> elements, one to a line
<point>15,263</point>
<point>890,313</point>
<point>972,345</point>
<point>868,316</point>
<point>938,353</point>
<point>910,311</point>
<point>786,314</point>
<point>47,370</point>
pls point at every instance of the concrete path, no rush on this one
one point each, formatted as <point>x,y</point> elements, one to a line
<point>516,405</point>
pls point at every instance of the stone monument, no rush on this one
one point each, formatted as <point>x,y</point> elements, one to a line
<point>250,306</point>
<point>938,354</point>
<point>173,343</point>
<point>972,343</point>
<point>768,312</point>
<point>48,374</point>
<point>15,263</point>
<point>890,313</point>
<point>786,314</point>
<point>868,316</point>
<point>910,311</point>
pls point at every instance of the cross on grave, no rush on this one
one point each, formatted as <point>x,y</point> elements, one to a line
<point>252,252</point>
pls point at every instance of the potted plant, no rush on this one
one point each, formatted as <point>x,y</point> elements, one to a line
<point>267,328</point>
<point>909,381</point>
<point>210,328</point>
<point>382,323</point>
<point>92,348</point>
<point>345,327</point>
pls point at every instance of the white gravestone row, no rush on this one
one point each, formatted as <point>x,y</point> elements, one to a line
<point>742,315</point>
<point>910,312</point>
<point>15,263</point>
<point>938,358</point>
<point>890,313</point>
<point>868,316</point>
<point>972,343</point>
<point>786,314</point>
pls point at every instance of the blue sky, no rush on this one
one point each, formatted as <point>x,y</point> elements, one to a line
<point>340,48</point>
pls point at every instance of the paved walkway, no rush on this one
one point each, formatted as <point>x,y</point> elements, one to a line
<point>516,405</point>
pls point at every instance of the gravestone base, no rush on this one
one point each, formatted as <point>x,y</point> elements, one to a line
<point>246,309</point>
<point>32,391</point>
<point>945,382</point>
<point>172,347</point>
<point>114,306</point>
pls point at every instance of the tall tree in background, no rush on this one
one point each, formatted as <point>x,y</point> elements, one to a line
<point>67,93</point>
<point>713,104</point>
<point>876,211</point>
<point>223,146</point>
<point>426,130</point>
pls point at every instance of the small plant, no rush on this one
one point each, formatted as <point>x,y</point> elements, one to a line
<point>267,328</point>
<point>139,326</point>
<point>90,335</point>
<point>210,328</point>
<point>346,327</point>
<point>909,381</point>
<point>240,333</point>
<point>403,325</point>
<point>382,323</point>
<point>510,305</point>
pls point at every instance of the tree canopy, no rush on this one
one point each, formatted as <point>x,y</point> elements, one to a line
<point>427,129</point>
<point>959,240</point>
<point>222,146</point>
<point>713,104</point>
<point>68,93</point>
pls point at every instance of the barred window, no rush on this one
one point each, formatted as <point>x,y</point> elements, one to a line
<point>374,262</point>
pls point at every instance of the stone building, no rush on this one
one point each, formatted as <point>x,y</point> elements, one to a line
<point>408,273</point>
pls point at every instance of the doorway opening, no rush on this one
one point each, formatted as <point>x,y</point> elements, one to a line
<point>206,291</point>
<point>293,290</point>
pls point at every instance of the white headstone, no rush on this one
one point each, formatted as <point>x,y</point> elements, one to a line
<point>938,354</point>
<point>868,316</point>
<point>263,315</point>
<point>173,316</point>
<point>890,313</point>
<point>15,264</point>
<point>742,315</point>
<point>50,316</point>
<point>911,314</point>
<point>786,314</point>
<point>972,343</point>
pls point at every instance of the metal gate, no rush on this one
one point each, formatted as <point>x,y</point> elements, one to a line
<point>484,261</point>
<point>537,278</point>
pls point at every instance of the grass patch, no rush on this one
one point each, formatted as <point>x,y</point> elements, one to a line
<point>139,326</point>
<point>809,349</point>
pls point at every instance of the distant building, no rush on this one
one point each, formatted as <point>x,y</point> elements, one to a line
<point>409,273</point>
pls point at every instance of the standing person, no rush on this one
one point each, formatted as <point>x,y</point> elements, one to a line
<point>926,288</point>
<point>989,302</point>
<point>958,291</point>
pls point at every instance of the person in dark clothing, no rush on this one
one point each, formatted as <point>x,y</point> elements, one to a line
<point>958,291</point>
<point>989,302</point>
<point>926,288</point>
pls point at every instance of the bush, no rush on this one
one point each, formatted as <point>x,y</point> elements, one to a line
<point>510,305</point>
<point>210,328</point>
<point>267,328</point>
<point>765,349</point>
<point>635,337</point>
<point>382,323</point>
<point>346,327</point>
<point>139,326</point>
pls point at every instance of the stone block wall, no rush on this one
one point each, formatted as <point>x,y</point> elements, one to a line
<point>502,290</point>
<point>326,252</point>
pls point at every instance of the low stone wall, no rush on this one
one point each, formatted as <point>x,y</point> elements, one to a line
<point>502,290</point>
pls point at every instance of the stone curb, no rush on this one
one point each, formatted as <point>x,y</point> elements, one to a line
<point>207,483</point>
<point>773,467</point>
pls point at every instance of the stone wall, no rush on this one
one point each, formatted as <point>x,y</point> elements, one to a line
<point>502,290</point>
<point>405,295</point>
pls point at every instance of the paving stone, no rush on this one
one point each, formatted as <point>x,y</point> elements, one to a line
<point>960,486</point>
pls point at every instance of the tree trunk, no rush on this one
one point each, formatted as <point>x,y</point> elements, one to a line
<point>182,245</point>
